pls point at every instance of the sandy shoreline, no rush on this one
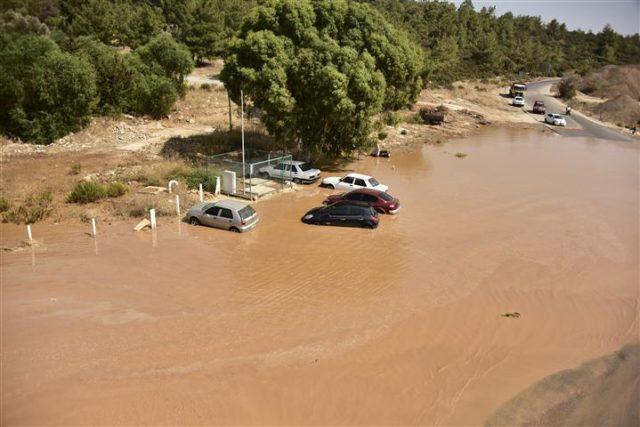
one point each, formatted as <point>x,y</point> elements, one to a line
<point>291,324</point>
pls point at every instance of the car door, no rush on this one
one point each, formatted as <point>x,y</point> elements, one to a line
<point>359,183</point>
<point>354,216</point>
<point>337,215</point>
<point>224,218</point>
<point>276,171</point>
<point>346,183</point>
<point>293,172</point>
<point>210,216</point>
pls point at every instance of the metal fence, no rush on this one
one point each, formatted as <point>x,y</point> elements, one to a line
<point>251,182</point>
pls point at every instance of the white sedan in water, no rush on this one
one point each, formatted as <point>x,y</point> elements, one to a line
<point>555,119</point>
<point>353,181</point>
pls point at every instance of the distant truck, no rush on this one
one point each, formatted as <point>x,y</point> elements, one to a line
<point>517,89</point>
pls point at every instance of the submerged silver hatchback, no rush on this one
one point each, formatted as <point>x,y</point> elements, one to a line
<point>228,214</point>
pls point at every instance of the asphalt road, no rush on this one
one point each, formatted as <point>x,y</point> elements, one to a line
<point>577,123</point>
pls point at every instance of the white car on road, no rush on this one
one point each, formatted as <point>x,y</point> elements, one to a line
<point>352,181</point>
<point>292,170</point>
<point>518,101</point>
<point>555,119</point>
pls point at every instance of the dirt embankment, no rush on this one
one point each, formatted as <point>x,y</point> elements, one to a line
<point>611,94</point>
<point>139,151</point>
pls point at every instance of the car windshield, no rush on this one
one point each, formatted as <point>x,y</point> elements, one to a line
<point>246,212</point>
<point>305,167</point>
<point>385,196</point>
<point>539,103</point>
<point>373,182</point>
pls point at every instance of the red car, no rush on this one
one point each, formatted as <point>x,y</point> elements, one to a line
<point>538,107</point>
<point>379,200</point>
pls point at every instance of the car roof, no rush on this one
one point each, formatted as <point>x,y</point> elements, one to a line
<point>293,162</point>
<point>358,175</point>
<point>231,204</point>
<point>539,102</point>
<point>371,191</point>
<point>351,203</point>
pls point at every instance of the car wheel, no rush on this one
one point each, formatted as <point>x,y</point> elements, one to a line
<point>234,229</point>
<point>194,221</point>
<point>331,186</point>
<point>368,225</point>
<point>296,180</point>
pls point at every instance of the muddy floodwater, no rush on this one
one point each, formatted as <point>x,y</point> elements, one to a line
<point>299,324</point>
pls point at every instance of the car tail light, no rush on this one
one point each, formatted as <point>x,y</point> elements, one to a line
<point>243,222</point>
<point>374,219</point>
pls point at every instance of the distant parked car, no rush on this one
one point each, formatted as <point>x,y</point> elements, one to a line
<point>379,200</point>
<point>539,108</point>
<point>345,213</point>
<point>555,119</point>
<point>518,101</point>
<point>227,214</point>
<point>292,170</point>
<point>352,181</point>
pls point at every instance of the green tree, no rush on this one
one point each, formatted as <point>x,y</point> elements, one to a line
<point>319,70</point>
<point>162,55</point>
<point>44,93</point>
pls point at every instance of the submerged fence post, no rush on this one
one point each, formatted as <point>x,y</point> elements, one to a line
<point>29,233</point>
<point>93,227</point>
<point>200,193</point>
<point>217,189</point>
<point>152,218</point>
<point>177,205</point>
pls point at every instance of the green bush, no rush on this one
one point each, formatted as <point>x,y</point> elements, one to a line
<point>4,204</point>
<point>154,95</point>
<point>116,189</point>
<point>382,135</point>
<point>193,177</point>
<point>34,209</point>
<point>567,87</point>
<point>86,192</point>
<point>390,118</point>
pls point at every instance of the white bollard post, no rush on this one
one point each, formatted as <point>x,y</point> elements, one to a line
<point>93,227</point>
<point>29,233</point>
<point>201,193</point>
<point>152,218</point>
<point>217,192</point>
<point>171,184</point>
<point>177,205</point>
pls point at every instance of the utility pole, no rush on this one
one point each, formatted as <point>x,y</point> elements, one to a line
<point>230,122</point>
<point>244,191</point>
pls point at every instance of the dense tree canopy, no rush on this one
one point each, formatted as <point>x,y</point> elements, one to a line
<point>319,70</point>
<point>45,93</point>
<point>463,42</point>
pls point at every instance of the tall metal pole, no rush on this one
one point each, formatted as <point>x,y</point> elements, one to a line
<point>244,191</point>
<point>230,122</point>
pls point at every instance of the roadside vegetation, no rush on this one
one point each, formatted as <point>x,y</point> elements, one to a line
<point>87,192</point>
<point>34,208</point>
<point>64,61</point>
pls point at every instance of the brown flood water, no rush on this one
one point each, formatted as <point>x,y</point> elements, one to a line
<point>296,324</point>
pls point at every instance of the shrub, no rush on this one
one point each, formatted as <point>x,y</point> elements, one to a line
<point>75,169</point>
<point>154,95</point>
<point>195,176</point>
<point>390,118</point>
<point>403,132</point>
<point>461,155</point>
<point>4,204</point>
<point>116,189</point>
<point>382,135</point>
<point>34,209</point>
<point>205,86</point>
<point>86,192</point>
<point>567,87</point>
